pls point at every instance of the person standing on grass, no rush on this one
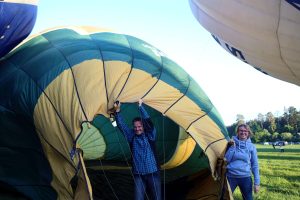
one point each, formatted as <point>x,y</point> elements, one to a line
<point>241,159</point>
<point>141,138</point>
<point>282,147</point>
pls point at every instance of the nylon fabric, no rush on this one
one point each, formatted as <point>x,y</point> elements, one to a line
<point>17,21</point>
<point>184,149</point>
<point>68,78</point>
<point>270,41</point>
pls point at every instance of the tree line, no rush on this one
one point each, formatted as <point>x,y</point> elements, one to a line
<point>270,128</point>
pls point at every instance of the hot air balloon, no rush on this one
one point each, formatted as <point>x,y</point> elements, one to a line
<point>59,137</point>
<point>17,20</point>
<point>264,34</point>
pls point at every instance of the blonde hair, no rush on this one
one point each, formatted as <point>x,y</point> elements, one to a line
<point>246,126</point>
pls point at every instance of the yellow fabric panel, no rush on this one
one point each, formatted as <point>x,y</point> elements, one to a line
<point>63,172</point>
<point>84,188</point>
<point>184,149</point>
<point>52,129</point>
<point>138,84</point>
<point>81,192</point>
<point>91,88</point>
<point>214,151</point>
<point>63,96</point>
<point>48,123</point>
<point>187,108</point>
<point>206,131</point>
<point>116,73</point>
<point>162,96</point>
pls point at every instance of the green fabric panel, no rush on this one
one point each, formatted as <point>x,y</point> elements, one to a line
<point>91,142</point>
<point>117,148</point>
<point>18,92</point>
<point>175,75</point>
<point>23,165</point>
<point>29,51</point>
<point>112,46</point>
<point>9,193</point>
<point>74,48</point>
<point>199,97</point>
<point>146,57</point>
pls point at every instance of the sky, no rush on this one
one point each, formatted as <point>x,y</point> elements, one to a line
<point>233,86</point>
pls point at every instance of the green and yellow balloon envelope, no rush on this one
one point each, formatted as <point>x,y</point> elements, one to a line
<point>57,90</point>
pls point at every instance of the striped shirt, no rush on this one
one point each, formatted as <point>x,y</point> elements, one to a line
<point>143,157</point>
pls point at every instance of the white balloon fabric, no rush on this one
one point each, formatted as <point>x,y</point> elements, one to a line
<point>264,34</point>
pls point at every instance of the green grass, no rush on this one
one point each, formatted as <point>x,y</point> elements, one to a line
<point>279,173</point>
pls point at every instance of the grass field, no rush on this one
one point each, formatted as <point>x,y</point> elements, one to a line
<point>279,173</point>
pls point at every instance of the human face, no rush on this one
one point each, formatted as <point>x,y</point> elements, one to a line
<point>243,133</point>
<point>138,127</point>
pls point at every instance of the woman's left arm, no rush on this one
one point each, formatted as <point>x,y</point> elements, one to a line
<point>147,123</point>
<point>255,168</point>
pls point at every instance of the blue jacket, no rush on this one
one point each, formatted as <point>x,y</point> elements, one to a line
<point>242,159</point>
<point>142,146</point>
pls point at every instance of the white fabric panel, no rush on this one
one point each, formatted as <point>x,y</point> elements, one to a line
<point>33,2</point>
<point>266,33</point>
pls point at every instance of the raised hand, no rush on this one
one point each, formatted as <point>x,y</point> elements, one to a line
<point>140,102</point>
<point>117,106</point>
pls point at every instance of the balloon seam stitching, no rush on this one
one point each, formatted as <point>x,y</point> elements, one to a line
<point>104,74</point>
<point>195,120</point>
<point>73,76</point>
<point>186,90</point>
<point>283,60</point>
<point>213,143</point>
<point>59,153</point>
<point>158,78</point>
<point>47,97</point>
<point>131,67</point>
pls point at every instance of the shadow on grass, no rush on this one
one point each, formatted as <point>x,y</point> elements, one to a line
<point>292,178</point>
<point>276,157</point>
<point>278,150</point>
<point>281,190</point>
<point>289,178</point>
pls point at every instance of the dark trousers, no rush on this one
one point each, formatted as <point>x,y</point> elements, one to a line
<point>148,182</point>
<point>245,185</point>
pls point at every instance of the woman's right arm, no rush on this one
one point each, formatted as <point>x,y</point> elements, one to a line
<point>229,154</point>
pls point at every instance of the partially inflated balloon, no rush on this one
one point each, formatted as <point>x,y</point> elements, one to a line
<point>17,20</point>
<point>264,34</point>
<point>58,89</point>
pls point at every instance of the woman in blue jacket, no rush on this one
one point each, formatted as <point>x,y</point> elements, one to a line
<point>242,159</point>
